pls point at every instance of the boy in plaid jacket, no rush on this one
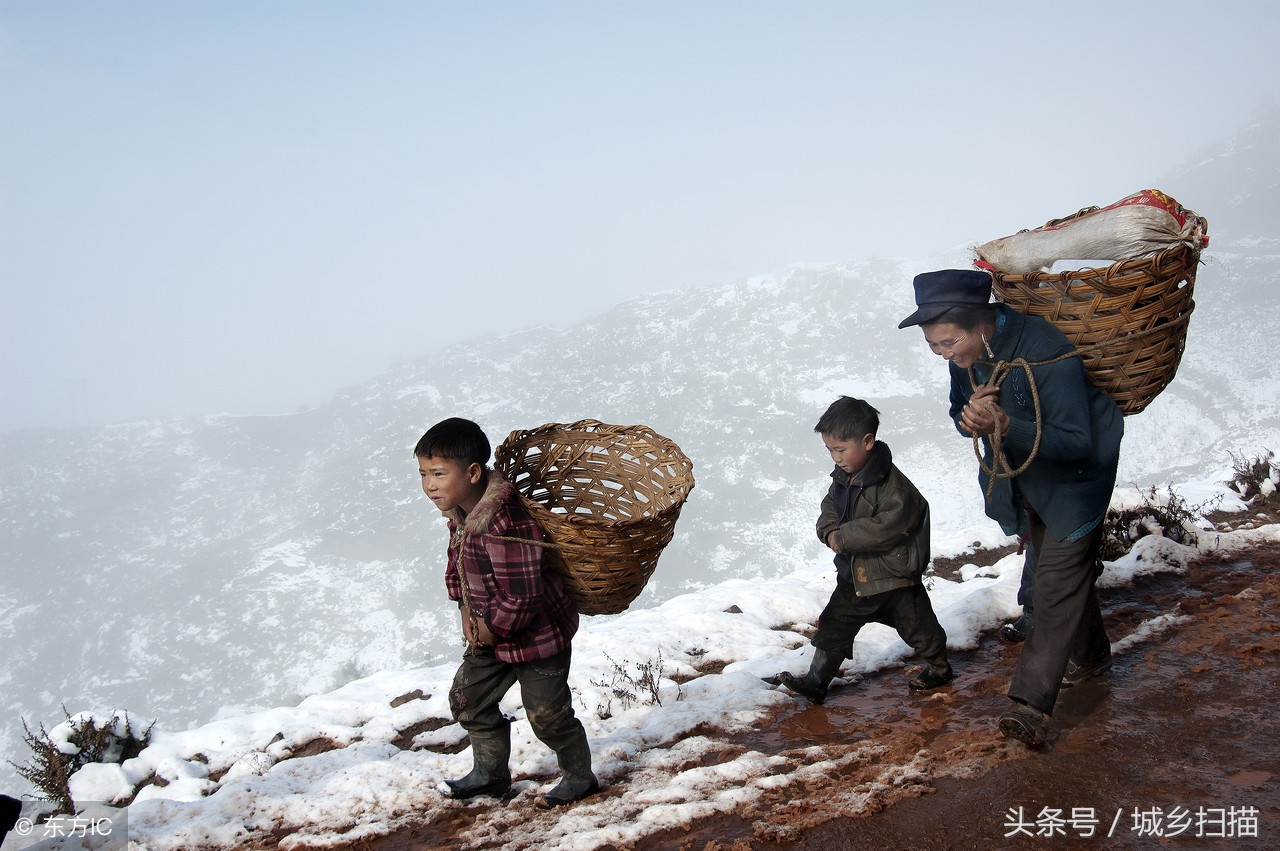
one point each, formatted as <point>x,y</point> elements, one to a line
<point>516,618</point>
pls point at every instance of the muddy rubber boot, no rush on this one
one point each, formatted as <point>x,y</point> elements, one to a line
<point>490,774</point>
<point>1017,632</point>
<point>1026,724</point>
<point>934,675</point>
<point>813,685</point>
<point>577,782</point>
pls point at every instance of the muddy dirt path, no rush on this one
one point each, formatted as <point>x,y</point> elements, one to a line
<point>1183,731</point>
<point>1179,747</point>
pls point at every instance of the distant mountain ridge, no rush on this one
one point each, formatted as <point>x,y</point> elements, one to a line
<point>1243,177</point>
<point>175,568</point>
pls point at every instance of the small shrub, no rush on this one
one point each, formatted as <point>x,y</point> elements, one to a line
<point>48,769</point>
<point>1252,475</point>
<point>81,740</point>
<point>1170,517</point>
<point>628,688</point>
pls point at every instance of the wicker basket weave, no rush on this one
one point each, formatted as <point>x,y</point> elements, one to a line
<point>1129,319</point>
<point>608,498</point>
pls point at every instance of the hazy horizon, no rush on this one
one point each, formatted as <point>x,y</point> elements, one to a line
<point>241,208</point>
<point>197,567</point>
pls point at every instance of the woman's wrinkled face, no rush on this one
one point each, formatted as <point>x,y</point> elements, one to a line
<point>953,343</point>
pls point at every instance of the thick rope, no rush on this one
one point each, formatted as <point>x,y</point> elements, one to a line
<point>1000,467</point>
<point>546,545</point>
<point>459,539</point>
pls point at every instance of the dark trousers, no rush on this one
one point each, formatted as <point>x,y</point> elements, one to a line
<point>1068,616</point>
<point>907,610</point>
<point>482,680</point>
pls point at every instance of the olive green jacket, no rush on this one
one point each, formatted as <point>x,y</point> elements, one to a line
<point>881,523</point>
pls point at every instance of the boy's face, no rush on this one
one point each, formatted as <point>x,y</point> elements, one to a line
<point>850,455</point>
<point>450,483</point>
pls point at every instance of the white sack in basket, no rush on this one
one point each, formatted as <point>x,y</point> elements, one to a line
<point>1139,225</point>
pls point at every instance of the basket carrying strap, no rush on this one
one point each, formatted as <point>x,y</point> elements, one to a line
<point>462,574</point>
<point>546,545</point>
<point>1000,468</point>
<point>460,539</point>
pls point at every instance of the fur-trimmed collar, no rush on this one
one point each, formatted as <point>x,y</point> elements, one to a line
<point>496,492</point>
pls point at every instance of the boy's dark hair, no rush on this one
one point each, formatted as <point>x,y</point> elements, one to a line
<point>966,317</point>
<point>456,439</point>
<point>849,419</point>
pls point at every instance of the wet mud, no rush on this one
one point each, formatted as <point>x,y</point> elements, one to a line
<point>1177,747</point>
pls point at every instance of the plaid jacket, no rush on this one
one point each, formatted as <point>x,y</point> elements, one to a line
<point>507,584</point>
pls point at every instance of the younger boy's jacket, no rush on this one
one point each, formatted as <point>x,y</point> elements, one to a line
<point>507,584</point>
<point>881,523</point>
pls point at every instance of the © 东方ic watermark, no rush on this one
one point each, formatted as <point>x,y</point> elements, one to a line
<point>97,828</point>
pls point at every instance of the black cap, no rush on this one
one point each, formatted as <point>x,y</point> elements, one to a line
<point>938,292</point>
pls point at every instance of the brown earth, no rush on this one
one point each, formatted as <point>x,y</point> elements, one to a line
<point>1183,724</point>
<point>1185,719</point>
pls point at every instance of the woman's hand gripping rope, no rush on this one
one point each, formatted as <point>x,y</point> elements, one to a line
<point>984,397</point>
<point>983,417</point>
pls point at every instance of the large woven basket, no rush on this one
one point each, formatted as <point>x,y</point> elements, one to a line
<point>1129,319</point>
<point>608,498</point>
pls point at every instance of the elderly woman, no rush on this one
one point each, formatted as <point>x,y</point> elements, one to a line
<point>1062,496</point>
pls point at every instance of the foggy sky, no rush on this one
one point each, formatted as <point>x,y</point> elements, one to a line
<point>242,207</point>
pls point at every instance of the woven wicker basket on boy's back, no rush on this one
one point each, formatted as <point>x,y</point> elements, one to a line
<point>1131,316</point>
<point>607,496</point>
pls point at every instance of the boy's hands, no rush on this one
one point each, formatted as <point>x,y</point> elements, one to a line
<point>484,635</point>
<point>475,631</point>
<point>983,414</point>
<point>831,541</point>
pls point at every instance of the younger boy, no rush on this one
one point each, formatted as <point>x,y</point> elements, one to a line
<point>516,618</point>
<point>877,524</point>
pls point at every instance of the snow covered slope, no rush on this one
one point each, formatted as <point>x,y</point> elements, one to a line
<point>199,568</point>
